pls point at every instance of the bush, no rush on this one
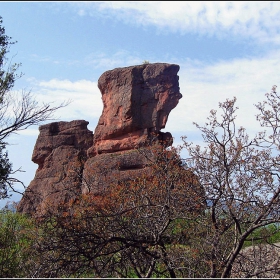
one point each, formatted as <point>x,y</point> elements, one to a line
<point>16,240</point>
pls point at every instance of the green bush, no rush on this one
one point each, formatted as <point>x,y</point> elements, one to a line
<point>16,239</point>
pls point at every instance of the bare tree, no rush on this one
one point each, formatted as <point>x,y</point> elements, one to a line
<point>158,225</point>
<point>241,179</point>
<point>18,111</point>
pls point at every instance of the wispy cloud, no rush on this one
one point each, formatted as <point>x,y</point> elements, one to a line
<point>84,95</point>
<point>203,86</point>
<point>120,58</point>
<point>259,20</point>
<point>48,59</point>
<point>96,60</point>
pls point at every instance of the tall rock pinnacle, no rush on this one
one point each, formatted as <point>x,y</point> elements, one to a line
<point>137,101</point>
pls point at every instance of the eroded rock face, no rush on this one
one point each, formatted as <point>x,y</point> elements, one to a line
<point>59,152</point>
<point>137,101</point>
<point>71,160</point>
<point>112,168</point>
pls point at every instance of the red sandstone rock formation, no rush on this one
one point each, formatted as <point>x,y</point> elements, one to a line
<point>111,168</point>
<point>59,153</point>
<point>137,101</point>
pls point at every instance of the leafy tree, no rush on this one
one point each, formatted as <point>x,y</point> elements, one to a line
<point>5,171</point>
<point>18,111</point>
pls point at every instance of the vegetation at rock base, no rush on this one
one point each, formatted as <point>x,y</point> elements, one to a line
<point>193,217</point>
<point>17,236</point>
<point>187,217</point>
<point>129,229</point>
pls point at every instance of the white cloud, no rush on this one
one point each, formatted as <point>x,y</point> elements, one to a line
<point>66,85</point>
<point>84,95</point>
<point>255,19</point>
<point>204,86</point>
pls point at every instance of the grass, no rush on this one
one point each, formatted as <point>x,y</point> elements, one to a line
<point>267,234</point>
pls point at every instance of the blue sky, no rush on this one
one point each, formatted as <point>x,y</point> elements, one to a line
<point>224,49</point>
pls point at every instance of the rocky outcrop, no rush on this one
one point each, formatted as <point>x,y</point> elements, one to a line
<point>71,160</point>
<point>137,101</point>
<point>59,152</point>
<point>112,168</point>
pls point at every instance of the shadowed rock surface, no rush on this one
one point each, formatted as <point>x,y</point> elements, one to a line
<point>71,160</point>
<point>58,151</point>
<point>112,167</point>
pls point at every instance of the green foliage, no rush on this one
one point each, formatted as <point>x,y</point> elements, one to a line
<point>5,171</point>
<point>8,73</point>
<point>267,234</point>
<point>155,227</point>
<point>16,240</point>
<point>7,78</point>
